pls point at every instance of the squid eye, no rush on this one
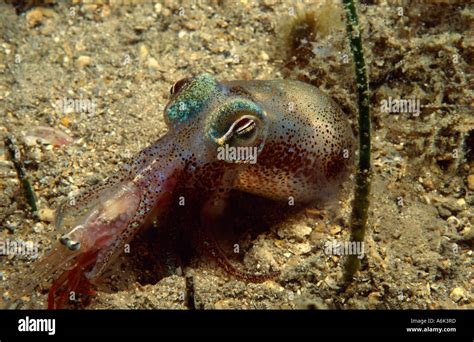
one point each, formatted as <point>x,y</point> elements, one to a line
<point>179,85</point>
<point>245,127</point>
<point>244,131</point>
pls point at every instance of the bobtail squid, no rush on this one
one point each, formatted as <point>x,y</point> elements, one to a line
<point>277,139</point>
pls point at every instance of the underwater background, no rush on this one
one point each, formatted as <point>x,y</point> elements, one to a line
<point>118,61</point>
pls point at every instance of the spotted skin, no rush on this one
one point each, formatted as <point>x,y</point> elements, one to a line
<point>304,148</point>
<point>309,147</point>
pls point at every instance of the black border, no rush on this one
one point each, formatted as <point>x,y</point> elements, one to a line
<point>239,323</point>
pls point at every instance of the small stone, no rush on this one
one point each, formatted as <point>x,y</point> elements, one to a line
<point>470,182</point>
<point>105,11</point>
<point>83,61</point>
<point>454,206</point>
<point>35,154</point>
<point>374,297</point>
<point>298,231</point>
<point>34,17</point>
<point>301,248</point>
<point>301,231</point>
<point>143,52</point>
<point>30,141</point>
<point>457,294</point>
<point>335,230</point>
<point>152,63</point>
<point>467,234</point>
<point>446,264</point>
<point>38,228</point>
<point>181,34</point>
<point>25,299</point>
<point>428,184</point>
<point>264,56</point>
<point>10,227</point>
<point>158,8</point>
<point>206,37</point>
<point>223,304</point>
<point>331,282</point>
<point>46,215</point>
<point>443,212</point>
<point>89,8</point>
<point>191,25</point>
<point>65,121</point>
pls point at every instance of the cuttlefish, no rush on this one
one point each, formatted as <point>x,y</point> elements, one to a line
<point>281,139</point>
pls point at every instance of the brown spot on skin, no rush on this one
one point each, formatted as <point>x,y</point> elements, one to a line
<point>334,166</point>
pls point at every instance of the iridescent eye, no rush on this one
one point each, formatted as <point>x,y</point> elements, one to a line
<point>179,85</point>
<point>242,132</point>
<point>238,122</point>
<point>245,127</point>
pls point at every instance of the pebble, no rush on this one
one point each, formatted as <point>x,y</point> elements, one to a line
<point>89,7</point>
<point>454,206</point>
<point>443,212</point>
<point>158,8</point>
<point>374,297</point>
<point>331,282</point>
<point>35,16</point>
<point>301,248</point>
<point>264,56</point>
<point>191,25</point>
<point>457,294</point>
<point>83,61</point>
<point>467,234</point>
<point>152,63</point>
<point>35,154</point>
<point>335,230</point>
<point>143,52</point>
<point>302,231</point>
<point>298,231</point>
<point>6,169</point>
<point>10,227</point>
<point>38,228</point>
<point>428,184</point>
<point>65,121</point>
<point>46,215</point>
<point>224,304</point>
<point>470,182</point>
